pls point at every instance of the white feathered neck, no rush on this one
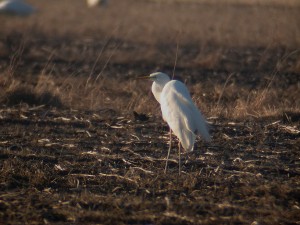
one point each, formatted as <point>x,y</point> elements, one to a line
<point>159,81</point>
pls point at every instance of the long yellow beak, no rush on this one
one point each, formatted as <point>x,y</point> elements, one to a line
<point>142,78</point>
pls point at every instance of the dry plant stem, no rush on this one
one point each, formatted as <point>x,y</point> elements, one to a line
<point>110,56</point>
<point>169,150</point>
<point>226,82</point>
<point>96,61</point>
<point>264,93</point>
<point>176,57</point>
<point>179,151</point>
<point>107,42</point>
<point>16,57</point>
<point>49,60</point>
<point>107,61</point>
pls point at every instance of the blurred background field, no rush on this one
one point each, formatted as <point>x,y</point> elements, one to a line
<point>229,23</point>
<point>257,41</point>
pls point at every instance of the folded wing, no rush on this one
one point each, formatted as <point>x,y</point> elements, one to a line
<point>181,113</point>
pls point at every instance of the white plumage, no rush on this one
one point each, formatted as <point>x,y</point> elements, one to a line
<point>178,110</point>
<point>16,7</point>
<point>182,115</point>
<point>93,3</point>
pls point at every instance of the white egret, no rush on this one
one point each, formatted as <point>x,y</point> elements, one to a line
<point>179,111</point>
<point>93,3</point>
<point>16,7</point>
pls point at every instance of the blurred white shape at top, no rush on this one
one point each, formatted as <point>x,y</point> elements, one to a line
<point>93,3</point>
<point>16,7</point>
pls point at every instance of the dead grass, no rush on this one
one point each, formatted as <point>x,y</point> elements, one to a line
<point>125,95</point>
<point>270,89</point>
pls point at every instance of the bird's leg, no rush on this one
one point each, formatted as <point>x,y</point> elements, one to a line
<point>169,150</point>
<point>179,150</point>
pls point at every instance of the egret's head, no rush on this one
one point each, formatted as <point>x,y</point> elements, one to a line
<point>159,81</point>
<point>159,77</point>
